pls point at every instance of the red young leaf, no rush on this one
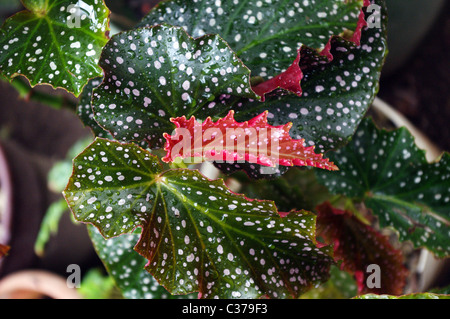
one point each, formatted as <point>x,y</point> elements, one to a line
<point>356,38</point>
<point>358,245</point>
<point>254,141</point>
<point>288,80</point>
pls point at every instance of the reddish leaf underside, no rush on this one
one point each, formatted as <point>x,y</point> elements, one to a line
<point>288,80</point>
<point>253,141</point>
<point>356,36</point>
<point>291,78</point>
<point>358,245</point>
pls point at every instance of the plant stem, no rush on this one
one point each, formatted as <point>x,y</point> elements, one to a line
<point>178,164</point>
<point>350,206</point>
<point>27,93</point>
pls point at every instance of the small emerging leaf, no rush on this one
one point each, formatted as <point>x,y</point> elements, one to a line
<point>254,141</point>
<point>358,246</point>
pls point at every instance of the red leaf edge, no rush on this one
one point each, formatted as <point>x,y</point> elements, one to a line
<point>290,79</point>
<point>199,146</point>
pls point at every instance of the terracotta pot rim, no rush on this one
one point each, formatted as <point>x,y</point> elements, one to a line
<point>32,284</point>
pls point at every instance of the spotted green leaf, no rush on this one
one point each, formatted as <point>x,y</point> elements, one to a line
<point>336,94</point>
<point>296,189</point>
<point>85,112</point>
<point>126,266</point>
<point>392,177</point>
<point>153,74</point>
<point>341,285</point>
<point>197,235</point>
<point>55,42</point>
<point>265,34</point>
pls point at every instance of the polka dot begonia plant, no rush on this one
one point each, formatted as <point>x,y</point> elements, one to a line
<point>292,81</point>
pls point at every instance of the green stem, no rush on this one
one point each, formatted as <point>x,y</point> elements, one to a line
<point>335,199</point>
<point>350,206</point>
<point>27,93</point>
<point>178,164</point>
